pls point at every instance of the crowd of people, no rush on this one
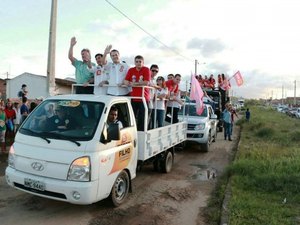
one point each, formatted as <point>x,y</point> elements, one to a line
<point>12,113</point>
<point>113,78</point>
<point>210,82</point>
<point>117,78</point>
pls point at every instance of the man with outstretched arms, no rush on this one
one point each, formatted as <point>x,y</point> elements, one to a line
<point>115,71</point>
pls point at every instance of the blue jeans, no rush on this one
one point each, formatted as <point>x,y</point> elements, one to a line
<point>160,114</point>
<point>139,113</point>
<point>227,130</point>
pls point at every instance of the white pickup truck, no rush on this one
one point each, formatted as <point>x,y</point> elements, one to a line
<point>202,128</point>
<point>79,160</point>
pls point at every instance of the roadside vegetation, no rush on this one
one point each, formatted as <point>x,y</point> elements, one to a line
<point>264,178</point>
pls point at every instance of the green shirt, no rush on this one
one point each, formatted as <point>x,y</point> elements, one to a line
<point>2,121</point>
<point>82,75</point>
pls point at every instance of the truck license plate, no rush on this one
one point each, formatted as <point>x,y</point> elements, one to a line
<point>34,184</point>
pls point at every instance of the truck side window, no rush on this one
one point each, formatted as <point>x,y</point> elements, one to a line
<point>123,114</point>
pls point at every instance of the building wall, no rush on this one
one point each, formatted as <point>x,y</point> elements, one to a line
<point>36,85</point>
<point>2,89</point>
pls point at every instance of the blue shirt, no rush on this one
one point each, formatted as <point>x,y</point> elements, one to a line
<point>226,116</point>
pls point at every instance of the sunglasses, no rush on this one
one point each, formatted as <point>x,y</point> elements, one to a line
<point>154,71</point>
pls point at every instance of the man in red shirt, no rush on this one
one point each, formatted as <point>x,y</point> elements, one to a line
<point>137,77</point>
<point>173,99</point>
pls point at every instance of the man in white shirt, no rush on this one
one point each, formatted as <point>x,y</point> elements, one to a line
<point>115,72</point>
<point>100,77</point>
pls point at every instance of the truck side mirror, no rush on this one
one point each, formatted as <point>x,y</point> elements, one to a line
<point>110,133</point>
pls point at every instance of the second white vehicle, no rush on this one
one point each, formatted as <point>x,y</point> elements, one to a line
<point>201,128</point>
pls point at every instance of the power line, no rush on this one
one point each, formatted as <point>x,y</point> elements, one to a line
<point>148,33</point>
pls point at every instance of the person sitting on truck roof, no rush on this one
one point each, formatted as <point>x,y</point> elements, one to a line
<point>137,77</point>
<point>200,80</point>
<point>211,81</point>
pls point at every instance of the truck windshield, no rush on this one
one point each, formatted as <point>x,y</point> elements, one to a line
<point>63,119</point>
<point>190,110</point>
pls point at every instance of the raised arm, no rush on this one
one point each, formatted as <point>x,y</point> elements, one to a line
<point>106,52</point>
<point>72,43</point>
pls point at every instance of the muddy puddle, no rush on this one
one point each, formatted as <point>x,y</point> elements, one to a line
<point>204,173</point>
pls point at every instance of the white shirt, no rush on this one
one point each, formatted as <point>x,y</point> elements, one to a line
<point>175,104</point>
<point>152,92</point>
<point>99,76</point>
<point>116,74</point>
<point>160,103</point>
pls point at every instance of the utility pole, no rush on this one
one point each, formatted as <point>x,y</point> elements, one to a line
<point>282,95</point>
<point>51,50</point>
<point>196,63</point>
<point>295,102</point>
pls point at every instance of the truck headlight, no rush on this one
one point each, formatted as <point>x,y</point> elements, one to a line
<point>200,126</point>
<point>80,169</point>
<point>11,157</point>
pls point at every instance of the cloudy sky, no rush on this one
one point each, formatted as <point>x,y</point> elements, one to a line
<point>259,38</point>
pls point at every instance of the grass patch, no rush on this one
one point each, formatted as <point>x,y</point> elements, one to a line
<point>265,175</point>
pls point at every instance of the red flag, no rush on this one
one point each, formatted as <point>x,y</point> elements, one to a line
<point>197,95</point>
<point>238,78</point>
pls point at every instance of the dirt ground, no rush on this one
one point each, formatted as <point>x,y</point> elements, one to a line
<point>175,198</point>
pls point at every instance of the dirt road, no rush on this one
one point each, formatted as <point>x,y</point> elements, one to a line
<point>157,199</point>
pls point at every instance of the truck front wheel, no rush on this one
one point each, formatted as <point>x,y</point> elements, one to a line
<point>120,189</point>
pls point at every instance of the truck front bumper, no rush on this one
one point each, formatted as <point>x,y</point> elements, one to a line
<point>82,193</point>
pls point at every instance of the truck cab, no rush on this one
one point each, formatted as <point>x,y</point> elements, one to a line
<point>73,154</point>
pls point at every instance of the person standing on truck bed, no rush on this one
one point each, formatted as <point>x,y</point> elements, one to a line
<point>99,77</point>
<point>115,71</point>
<point>174,103</point>
<point>154,71</point>
<point>137,77</point>
<point>82,74</point>
<point>159,107</point>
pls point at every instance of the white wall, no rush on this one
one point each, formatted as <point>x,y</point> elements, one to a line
<point>36,85</point>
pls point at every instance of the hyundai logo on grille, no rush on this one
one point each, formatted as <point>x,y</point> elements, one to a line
<point>37,166</point>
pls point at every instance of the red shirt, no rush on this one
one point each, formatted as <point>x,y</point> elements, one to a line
<point>134,75</point>
<point>172,87</point>
<point>10,113</point>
